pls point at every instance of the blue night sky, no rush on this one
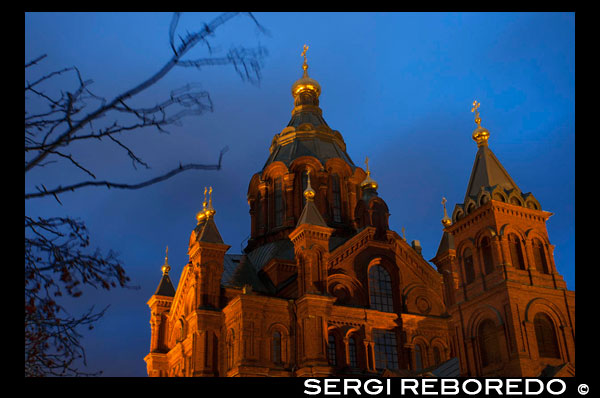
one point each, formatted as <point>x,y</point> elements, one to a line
<point>398,87</point>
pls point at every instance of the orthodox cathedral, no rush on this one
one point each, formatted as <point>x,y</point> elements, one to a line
<point>324,288</point>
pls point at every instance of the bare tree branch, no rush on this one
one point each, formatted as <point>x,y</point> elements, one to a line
<point>58,258</point>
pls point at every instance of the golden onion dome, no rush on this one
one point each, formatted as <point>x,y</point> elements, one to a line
<point>368,183</point>
<point>166,267</point>
<point>305,82</point>
<point>446,221</point>
<point>309,192</point>
<point>480,134</point>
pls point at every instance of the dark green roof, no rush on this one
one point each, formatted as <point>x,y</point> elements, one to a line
<point>207,231</point>
<point>165,287</point>
<point>488,172</point>
<point>447,243</point>
<point>311,215</point>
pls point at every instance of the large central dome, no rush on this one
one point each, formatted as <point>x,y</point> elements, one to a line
<point>307,133</point>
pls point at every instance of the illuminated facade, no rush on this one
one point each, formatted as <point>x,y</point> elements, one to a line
<point>325,288</point>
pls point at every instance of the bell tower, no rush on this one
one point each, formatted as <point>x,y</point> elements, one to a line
<point>511,310</point>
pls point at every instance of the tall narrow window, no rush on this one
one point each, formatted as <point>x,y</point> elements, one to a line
<point>331,350</point>
<point>469,269</point>
<point>380,289</point>
<point>337,199</point>
<point>276,347</point>
<point>488,343</point>
<point>260,222</point>
<point>352,352</point>
<point>486,253</point>
<point>230,349</point>
<point>545,336</point>
<point>386,349</point>
<point>516,255</point>
<point>540,257</point>
<point>278,203</point>
<point>437,357</point>
<point>418,358</point>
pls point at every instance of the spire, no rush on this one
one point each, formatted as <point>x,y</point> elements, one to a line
<point>166,267</point>
<point>206,230</point>
<point>165,287</point>
<point>446,221</point>
<point>310,213</point>
<point>480,134</point>
<point>309,192</point>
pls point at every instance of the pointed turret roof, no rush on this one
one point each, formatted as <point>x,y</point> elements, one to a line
<point>488,172</point>
<point>206,230</point>
<point>310,213</point>
<point>165,287</point>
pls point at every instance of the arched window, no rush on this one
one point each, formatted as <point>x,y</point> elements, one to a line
<point>488,343</point>
<point>545,336</point>
<point>380,289</point>
<point>279,210</point>
<point>418,357</point>
<point>386,349</point>
<point>352,352</point>
<point>276,348</point>
<point>337,199</point>
<point>260,221</point>
<point>469,268</point>
<point>499,197</point>
<point>230,349</point>
<point>516,255</point>
<point>437,357</point>
<point>515,201</point>
<point>486,253</point>
<point>331,351</point>
<point>540,257</point>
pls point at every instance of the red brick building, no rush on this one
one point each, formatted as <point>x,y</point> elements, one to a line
<point>324,287</point>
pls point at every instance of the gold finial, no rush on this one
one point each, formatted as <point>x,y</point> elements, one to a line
<point>446,221</point>
<point>368,182</point>
<point>481,134</point>
<point>304,65</point>
<point>201,216</point>
<point>309,193</point>
<point>166,267</point>
<point>306,83</point>
<point>476,110</point>
<point>210,211</point>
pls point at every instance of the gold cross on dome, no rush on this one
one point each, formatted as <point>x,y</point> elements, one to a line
<point>304,65</point>
<point>476,110</point>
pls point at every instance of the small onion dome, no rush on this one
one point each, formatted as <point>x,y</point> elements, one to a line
<point>305,82</point>
<point>166,267</point>
<point>309,192</point>
<point>446,221</point>
<point>480,134</point>
<point>368,183</point>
